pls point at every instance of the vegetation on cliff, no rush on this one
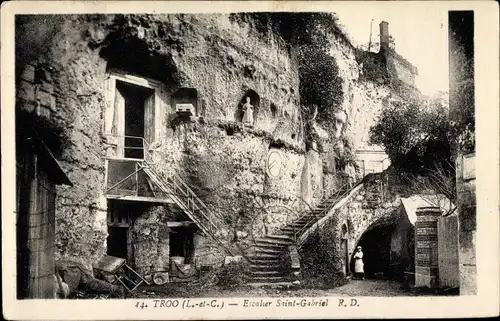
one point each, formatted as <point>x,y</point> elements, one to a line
<point>309,36</point>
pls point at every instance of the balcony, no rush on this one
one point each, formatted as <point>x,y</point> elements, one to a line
<point>125,176</point>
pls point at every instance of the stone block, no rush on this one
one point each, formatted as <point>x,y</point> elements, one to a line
<point>46,99</point>
<point>28,106</point>
<point>425,276</point>
<point>231,259</point>
<point>28,73</point>
<point>48,87</point>
<point>44,112</point>
<point>26,91</point>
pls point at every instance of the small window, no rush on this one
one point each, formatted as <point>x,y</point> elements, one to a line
<point>469,167</point>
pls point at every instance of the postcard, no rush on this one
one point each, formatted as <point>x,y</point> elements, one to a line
<point>249,160</point>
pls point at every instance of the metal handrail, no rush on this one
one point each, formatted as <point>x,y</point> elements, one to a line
<point>339,194</point>
<point>177,185</point>
<point>193,202</point>
<point>192,193</point>
<point>210,231</point>
<point>174,195</point>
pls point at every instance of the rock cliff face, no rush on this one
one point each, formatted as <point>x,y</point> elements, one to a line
<point>219,62</point>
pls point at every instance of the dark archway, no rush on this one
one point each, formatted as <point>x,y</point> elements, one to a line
<point>376,246</point>
<point>254,100</point>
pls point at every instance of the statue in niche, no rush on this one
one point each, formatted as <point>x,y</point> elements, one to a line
<point>248,110</point>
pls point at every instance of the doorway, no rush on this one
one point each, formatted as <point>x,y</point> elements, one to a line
<point>182,243</point>
<point>138,107</point>
<point>119,235</point>
<point>117,241</point>
<point>345,256</point>
<point>376,247</point>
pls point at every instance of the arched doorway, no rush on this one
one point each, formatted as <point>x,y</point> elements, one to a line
<point>376,247</point>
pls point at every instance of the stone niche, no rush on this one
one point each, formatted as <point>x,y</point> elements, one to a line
<point>185,102</point>
<point>250,97</point>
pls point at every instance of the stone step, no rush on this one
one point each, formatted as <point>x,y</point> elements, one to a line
<point>260,250</point>
<point>285,284</point>
<point>263,257</point>
<point>313,216</point>
<point>290,232</point>
<point>281,242</point>
<point>258,263</point>
<point>267,279</point>
<point>264,273</point>
<point>278,237</point>
<point>264,268</point>
<point>266,245</point>
<point>300,222</point>
<point>260,260</point>
<point>309,215</point>
<point>288,228</point>
<point>298,227</point>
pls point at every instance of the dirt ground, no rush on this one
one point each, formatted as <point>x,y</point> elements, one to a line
<point>378,288</point>
<point>354,288</point>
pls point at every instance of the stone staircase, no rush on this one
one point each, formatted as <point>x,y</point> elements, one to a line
<point>269,256</point>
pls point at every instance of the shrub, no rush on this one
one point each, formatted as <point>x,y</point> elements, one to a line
<point>320,262</point>
<point>231,275</point>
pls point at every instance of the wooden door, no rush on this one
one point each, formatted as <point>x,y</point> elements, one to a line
<point>149,118</point>
<point>119,122</point>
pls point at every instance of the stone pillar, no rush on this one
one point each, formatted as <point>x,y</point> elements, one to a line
<point>384,34</point>
<point>426,247</point>
<point>466,207</point>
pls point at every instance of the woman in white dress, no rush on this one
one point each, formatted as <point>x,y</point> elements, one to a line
<point>359,272</point>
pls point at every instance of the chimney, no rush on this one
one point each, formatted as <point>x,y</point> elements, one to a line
<point>384,35</point>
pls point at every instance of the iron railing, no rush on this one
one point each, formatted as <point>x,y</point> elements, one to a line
<point>182,195</point>
<point>324,208</point>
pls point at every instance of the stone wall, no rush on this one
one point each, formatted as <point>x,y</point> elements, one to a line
<point>150,239</point>
<point>466,207</point>
<point>74,95</point>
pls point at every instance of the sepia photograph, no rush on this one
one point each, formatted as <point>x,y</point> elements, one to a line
<point>267,158</point>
